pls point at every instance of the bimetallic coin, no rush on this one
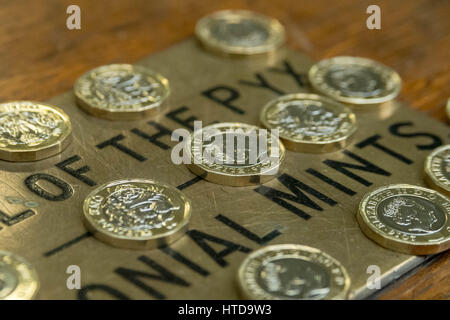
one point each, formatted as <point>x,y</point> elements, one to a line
<point>292,272</point>
<point>437,169</point>
<point>18,279</point>
<point>31,131</point>
<point>121,92</point>
<point>235,154</point>
<point>136,214</point>
<point>406,218</point>
<point>309,122</point>
<point>239,32</point>
<point>356,81</point>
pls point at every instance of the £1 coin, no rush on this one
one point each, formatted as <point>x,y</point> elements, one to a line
<point>406,218</point>
<point>292,272</point>
<point>121,92</point>
<point>31,131</point>
<point>239,32</point>
<point>18,279</point>
<point>309,122</point>
<point>448,108</point>
<point>437,169</point>
<point>136,214</point>
<point>353,80</point>
<point>235,154</point>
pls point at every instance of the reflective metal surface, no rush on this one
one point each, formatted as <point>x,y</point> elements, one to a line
<point>313,201</point>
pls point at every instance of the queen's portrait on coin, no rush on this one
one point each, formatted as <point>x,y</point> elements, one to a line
<point>412,215</point>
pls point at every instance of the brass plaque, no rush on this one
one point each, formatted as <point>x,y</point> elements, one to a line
<point>313,201</point>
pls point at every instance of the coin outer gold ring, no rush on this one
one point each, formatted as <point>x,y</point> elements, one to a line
<point>137,243</point>
<point>301,145</point>
<point>27,282</point>
<point>235,180</point>
<point>448,108</point>
<point>45,150</point>
<point>138,112</point>
<point>430,177</point>
<point>273,26</point>
<point>305,252</point>
<point>393,81</point>
<point>394,242</point>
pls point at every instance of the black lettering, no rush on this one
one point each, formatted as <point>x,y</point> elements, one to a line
<point>78,173</point>
<point>247,233</point>
<point>299,197</point>
<point>113,142</point>
<point>163,275</point>
<point>83,292</point>
<point>372,141</point>
<point>32,184</point>
<point>231,95</point>
<point>200,239</point>
<point>162,131</point>
<point>190,182</point>
<point>182,259</point>
<point>188,122</point>
<point>298,77</point>
<point>331,182</point>
<point>262,83</point>
<point>10,221</point>
<point>436,141</point>
<point>367,166</point>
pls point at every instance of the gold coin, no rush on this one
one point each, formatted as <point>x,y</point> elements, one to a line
<point>292,272</point>
<point>235,154</point>
<point>31,131</point>
<point>309,122</point>
<point>18,279</point>
<point>121,92</point>
<point>136,214</point>
<point>356,81</point>
<point>406,218</point>
<point>239,32</point>
<point>437,169</point>
<point>448,108</point>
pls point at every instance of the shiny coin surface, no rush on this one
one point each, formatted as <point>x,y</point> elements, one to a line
<point>309,122</point>
<point>18,279</point>
<point>406,218</point>
<point>235,154</point>
<point>437,169</point>
<point>121,92</point>
<point>292,272</point>
<point>448,108</point>
<point>31,131</point>
<point>239,32</point>
<point>136,214</point>
<point>353,80</point>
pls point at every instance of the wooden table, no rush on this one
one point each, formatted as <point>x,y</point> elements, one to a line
<point>40,57</point>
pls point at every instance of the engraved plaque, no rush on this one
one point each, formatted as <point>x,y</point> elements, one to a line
<point>313,201</point>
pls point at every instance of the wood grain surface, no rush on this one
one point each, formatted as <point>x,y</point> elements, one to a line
<point>40,57</point>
